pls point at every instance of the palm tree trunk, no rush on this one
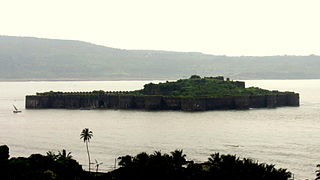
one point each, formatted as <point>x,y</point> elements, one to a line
<point>88,154</point>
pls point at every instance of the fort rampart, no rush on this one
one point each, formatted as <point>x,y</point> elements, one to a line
<point>121,100</point>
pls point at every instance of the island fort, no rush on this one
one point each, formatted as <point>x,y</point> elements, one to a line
<point>193,94</point>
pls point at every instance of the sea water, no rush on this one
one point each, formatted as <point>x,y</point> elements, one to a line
<point>288,137</point>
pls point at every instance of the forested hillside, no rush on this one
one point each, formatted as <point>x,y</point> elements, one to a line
<point>26,58</point>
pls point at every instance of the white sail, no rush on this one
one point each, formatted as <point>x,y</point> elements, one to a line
<point>15,108</point>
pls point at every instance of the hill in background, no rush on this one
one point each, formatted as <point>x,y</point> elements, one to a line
<point>27,58</point>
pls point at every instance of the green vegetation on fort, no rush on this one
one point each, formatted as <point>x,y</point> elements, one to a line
<point>195,86</point>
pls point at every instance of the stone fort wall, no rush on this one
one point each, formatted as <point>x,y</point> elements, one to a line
<point>154,102</point>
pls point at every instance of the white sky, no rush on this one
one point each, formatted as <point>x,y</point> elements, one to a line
<point>225,27</point>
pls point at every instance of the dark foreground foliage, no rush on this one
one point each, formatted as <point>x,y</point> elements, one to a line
<point>175,166</point>
<point>156,166</point>
<point>37,166</point>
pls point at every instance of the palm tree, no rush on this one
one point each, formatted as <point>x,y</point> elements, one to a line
<point>64,155</point>
<point>86,135</point>
<point>52,155</point>
<point>178,158</point>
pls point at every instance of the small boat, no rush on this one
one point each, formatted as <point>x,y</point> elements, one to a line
<point>16,110</point>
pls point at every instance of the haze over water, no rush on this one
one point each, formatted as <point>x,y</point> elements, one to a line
<point>288,137</point>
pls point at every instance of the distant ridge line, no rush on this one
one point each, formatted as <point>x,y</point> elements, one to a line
<point>30,58</point>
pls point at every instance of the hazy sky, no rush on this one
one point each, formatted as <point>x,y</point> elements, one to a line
<point>225,27</point>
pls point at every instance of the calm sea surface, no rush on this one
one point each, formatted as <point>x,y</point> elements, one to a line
<point>288,137</point>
